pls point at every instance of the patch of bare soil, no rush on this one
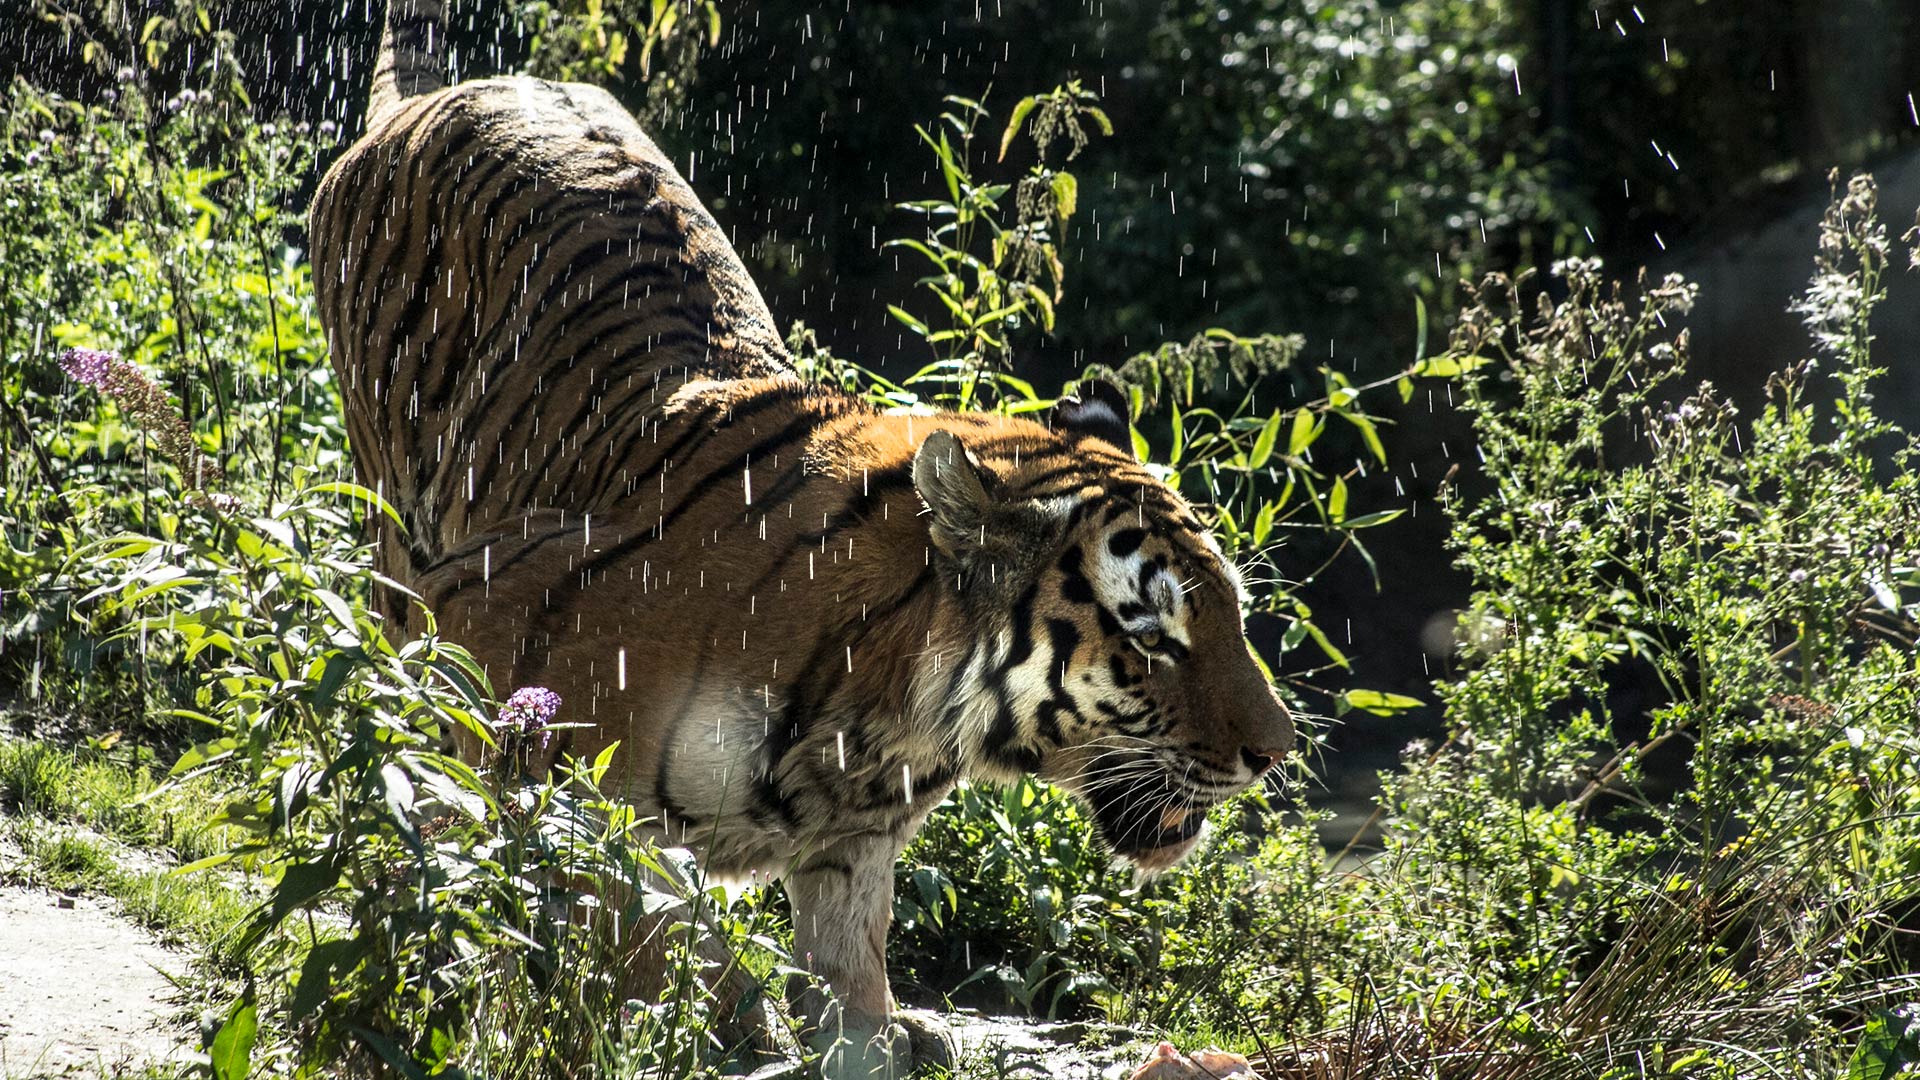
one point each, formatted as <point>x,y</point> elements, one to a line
<point>82,991</point>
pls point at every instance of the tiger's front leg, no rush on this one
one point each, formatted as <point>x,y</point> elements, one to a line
<point>842,899</point>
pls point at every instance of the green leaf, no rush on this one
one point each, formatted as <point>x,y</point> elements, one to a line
<point>1228,527</point>
<point>1380,703</point>
<point>293,795</point>
<point>316,975</point>
<point>203,754</point>
<point>211,861</point>
<point>601,762</point>
<point>465,776</point>
<point>169,578</point>
<point>913,324</point>
<point>333,675</point>
<point>232,1050</point>
<point>1889,1047</point>
<point>1263,444</point>
<point>299,883</point>
<point>1419,329</point>
<point>336,607</point>
<point>938,262</point>
<point>396,790</point>
<point>365,495</point>
<point>1320,639</point>
<point>1449,366</point>
<point>1066,194</point>
<point>391,1053</point>
<point>1020,110</point>
<point>948,169</point>
<point>1337,500</point>
<point>461,671</point>
<point>1305,429</point>
<point>1369,434</point>
<point>125,547</point>
<point>1266,670</point>
<point>1378,517</point>
<point>1263,523</point>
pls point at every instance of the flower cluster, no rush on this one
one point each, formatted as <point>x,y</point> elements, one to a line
<point>88,367</point>
<point>148,406</point>
<point>528,711</point>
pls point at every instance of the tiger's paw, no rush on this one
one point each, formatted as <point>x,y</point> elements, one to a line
<point>910,1043</point>
<point>929,1038</point>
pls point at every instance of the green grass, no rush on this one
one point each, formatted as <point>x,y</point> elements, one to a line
<point>36,779</point>
<point>114,798</point>
<point>94,825</point>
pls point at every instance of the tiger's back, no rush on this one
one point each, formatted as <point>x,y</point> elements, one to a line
<point>511,272</point>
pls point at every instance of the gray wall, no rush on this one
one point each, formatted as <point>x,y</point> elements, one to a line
<point>1742,330</point>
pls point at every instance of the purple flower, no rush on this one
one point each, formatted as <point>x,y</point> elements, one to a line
<point>89,367</point>
<point>143,401</point>
<point>528,711</point>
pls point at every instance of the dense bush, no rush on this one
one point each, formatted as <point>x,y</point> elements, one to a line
<point>1540,902</point>
<point>158,227</point>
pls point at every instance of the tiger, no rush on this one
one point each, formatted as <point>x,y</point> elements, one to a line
<point>802,619</point>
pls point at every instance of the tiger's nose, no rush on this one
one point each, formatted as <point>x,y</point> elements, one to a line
<point>1259,761</point>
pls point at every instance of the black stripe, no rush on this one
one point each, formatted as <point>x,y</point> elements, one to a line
<point>998,745</point>
<point>1062,638</point>
<point>1021,616</point>
<point>699,491</point>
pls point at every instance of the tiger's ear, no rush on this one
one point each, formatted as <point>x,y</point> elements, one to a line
<point>954,487</point>
<point>1097,410</point>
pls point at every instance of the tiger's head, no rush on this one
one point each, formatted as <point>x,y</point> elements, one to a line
<point>1108,651</point>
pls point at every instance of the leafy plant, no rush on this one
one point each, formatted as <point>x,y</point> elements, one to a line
<point>157,224</point>
<point>660,41</point>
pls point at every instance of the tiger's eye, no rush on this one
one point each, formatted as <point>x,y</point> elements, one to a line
<point>1149,640</point>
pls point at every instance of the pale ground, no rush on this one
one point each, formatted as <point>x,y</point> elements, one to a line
<point>83,992</point>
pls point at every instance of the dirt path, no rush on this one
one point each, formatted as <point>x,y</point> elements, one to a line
<point>82,991</point>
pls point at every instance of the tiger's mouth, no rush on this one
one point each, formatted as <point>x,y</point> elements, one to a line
<point>1151,827</point>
